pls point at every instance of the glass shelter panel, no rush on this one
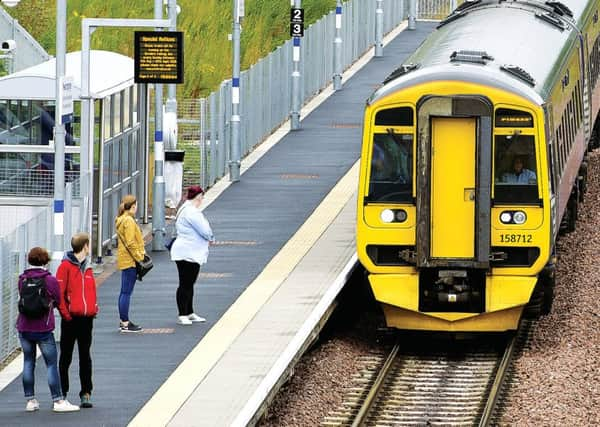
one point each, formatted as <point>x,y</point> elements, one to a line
<point>116,113</point>
<point>106,111</point>
<point>127,108</point>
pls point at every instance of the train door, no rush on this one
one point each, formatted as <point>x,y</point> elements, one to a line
<point>453,142</point>
<point>453,174</point>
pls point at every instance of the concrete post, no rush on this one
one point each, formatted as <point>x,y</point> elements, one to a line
<point>158,188</point>
<point>412,14</point>
<point>59,129</point>
<point>236,143</point>
<point>171,105</point>
<point>337,48</point>
<point>379,29</point>
<point>296,90</point>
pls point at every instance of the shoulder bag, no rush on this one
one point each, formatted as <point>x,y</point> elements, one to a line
<point>141,267</point>
<point>173,234</point>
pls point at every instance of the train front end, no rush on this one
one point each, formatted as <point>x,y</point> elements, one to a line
<point>453,217</point>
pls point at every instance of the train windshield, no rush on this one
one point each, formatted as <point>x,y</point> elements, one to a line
<point>391,167</point>
<point>515,179</point>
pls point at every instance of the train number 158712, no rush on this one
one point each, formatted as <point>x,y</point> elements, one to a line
<point>515,238</point>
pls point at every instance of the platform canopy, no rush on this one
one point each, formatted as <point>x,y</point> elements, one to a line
<point>110,73</point>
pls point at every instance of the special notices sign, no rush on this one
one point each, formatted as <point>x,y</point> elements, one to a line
<point>158,57</point>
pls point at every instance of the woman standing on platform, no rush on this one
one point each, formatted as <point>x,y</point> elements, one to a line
<point>130,249</point>
<point>39,293</point>
<point>190,251</point>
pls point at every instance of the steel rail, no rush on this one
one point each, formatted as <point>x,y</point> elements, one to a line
<point>372,396</point>
<point>496,388</point>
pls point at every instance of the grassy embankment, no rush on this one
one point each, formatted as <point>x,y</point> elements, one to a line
<point>205,23</point>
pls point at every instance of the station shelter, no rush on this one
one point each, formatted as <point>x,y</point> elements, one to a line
<point>120,149</point>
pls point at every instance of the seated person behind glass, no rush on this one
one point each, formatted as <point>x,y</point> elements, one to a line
<point>520,175</point>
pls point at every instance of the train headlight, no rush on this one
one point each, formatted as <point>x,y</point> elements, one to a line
<point>519,217</point>
<point>506,217</point>
<point>401,215</point>
<point>387,215</point>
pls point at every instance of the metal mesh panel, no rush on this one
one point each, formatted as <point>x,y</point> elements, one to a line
<point>32,182</point>
<point>436,9</point>
<point>23,235</point>
<point>204,129</point>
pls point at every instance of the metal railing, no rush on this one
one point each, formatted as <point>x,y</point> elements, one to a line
<point>204,124</point>
<point>35,230</point>
<point>28,52</point>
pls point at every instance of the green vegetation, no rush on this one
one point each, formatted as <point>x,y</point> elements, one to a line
<point>206,25</point>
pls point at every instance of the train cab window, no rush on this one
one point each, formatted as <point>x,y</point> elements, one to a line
<point>515,178</point>
<point>391,168</point>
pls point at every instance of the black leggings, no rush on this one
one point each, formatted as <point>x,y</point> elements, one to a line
<point>188,273</point>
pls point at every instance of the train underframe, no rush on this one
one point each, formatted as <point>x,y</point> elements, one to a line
<point>462,300</point>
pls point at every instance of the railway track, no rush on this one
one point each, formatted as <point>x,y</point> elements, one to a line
<point>432,383</point>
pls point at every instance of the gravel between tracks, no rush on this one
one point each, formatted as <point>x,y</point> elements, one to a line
<point>323,375</point>
<point>557,378</point>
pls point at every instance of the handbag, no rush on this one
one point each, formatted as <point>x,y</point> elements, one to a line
<point>169,243</point>
<point>144,266</point>
<point>141,267</point>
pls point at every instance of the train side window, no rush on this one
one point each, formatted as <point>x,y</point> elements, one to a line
<point>391,167</point>
<point>515,166</point>
<point>578,103</point>
<point>570,118</point>
<point>399,116</point>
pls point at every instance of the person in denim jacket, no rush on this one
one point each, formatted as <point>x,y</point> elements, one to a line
<point>190,252</point>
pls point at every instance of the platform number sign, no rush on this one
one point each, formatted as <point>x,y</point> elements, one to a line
<point>296,22</point>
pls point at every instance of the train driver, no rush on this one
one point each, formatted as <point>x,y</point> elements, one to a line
<point>389,162</point>
<point>519,174</point>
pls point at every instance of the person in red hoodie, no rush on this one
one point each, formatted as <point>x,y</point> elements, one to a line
<point>78,307</point>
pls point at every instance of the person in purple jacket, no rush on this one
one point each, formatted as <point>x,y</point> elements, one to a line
<point>38,332</point>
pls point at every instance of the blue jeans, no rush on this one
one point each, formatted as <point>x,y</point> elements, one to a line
<point>48,346</point>
<point>128,278</point>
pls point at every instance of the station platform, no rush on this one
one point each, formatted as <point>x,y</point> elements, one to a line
<point>285,242</point>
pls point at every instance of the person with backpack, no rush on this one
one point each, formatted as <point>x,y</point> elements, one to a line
<point>78,306</point>
<point>38,295</point>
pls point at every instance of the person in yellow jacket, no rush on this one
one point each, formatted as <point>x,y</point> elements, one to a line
<point>130,249</point>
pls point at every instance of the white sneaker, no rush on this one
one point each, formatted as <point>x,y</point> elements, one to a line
<point>64,406</point>
<point>183,320</point>
<point>32,405</point>
<point>195,318</point>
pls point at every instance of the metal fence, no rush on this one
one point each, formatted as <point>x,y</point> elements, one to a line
<point>204,128</point>
<point>436,9</point>
<point>37,230</point>
<point>28,51</point>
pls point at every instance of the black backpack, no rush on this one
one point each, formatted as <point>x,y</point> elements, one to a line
<point>33,299</point>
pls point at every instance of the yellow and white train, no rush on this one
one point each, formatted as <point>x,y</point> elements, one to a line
<point>473,159</point>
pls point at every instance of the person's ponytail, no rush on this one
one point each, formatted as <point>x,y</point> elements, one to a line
<point>126,204</point>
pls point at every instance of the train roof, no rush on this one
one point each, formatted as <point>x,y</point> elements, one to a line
<point>514,45</point>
